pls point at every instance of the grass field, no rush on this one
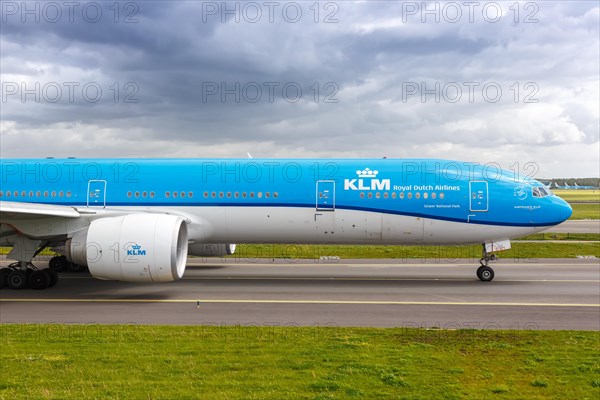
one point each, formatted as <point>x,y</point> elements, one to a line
<point>518,251</point>
<point>585,211</point>
<point>578,195</point>
<point>154,362</point>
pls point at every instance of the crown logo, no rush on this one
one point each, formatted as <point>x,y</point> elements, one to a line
<point>367,173</point>
<point>136,246</point>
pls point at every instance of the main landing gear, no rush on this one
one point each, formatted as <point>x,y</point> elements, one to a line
<point>20,275</point>
<point>61,264</point>
<point>485,273</point>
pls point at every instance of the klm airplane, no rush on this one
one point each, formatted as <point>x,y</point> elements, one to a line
<point>137,220</point>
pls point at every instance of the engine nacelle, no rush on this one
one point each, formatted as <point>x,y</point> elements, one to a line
<point>132,248</point>
<point>211,249</point>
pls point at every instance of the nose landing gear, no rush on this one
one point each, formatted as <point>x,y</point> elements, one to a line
<point>485,273</point>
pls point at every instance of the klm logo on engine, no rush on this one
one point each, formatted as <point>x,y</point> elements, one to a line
<point>136,250</point>
<point>367,180</point>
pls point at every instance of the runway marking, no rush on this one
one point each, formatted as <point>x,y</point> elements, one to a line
<point>433,264</point>
<point>321,278</point>
<point>331,302</point>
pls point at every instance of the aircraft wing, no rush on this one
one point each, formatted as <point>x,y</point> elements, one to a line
<point>10,210</point>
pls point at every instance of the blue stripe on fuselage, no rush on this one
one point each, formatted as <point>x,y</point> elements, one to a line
<point>358,184</point>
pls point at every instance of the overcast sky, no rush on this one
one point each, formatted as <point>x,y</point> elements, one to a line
<point>483,81</point>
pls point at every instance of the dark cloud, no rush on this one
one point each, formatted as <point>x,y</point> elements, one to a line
<point>158,66</point>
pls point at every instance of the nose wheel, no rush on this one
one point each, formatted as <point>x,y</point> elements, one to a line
<point>485,273</point>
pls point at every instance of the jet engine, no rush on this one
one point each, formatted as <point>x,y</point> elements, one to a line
<point>132,248</point>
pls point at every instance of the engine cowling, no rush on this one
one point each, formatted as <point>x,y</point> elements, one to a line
<point>132,248</point>
<point>211,249</point>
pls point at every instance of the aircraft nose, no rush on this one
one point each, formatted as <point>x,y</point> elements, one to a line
<point>562,210</point>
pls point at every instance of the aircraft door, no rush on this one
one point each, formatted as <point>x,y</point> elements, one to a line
<point>325,196</point>
<point>96,193</point>
<point>478,196</point>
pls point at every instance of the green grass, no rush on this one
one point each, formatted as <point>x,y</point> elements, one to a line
<point>157,362</point>
<point>578,195</point>
<point>562,236</point>
<point>585,211</point>
<point>518,251</point>
<point>568,249</point>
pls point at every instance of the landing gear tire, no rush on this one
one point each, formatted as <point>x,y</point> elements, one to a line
<point>58,263</point>
<point>39,280</point>
<point>76,268</point>
<point>3,275</point>
<point>53,277</point>
<point>485,273</point>
<point>17,280</point>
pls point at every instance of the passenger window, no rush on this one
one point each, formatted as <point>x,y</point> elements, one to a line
<point>418,195</point>
<point>152,194</point>
<point>442,195</point>
<point>244,194</point>
<point>174,194</point>
<point>267,195</point>
<point>129,194</point>
<point>362,195</point>
<point>410,195</point>
<point>137,194</point>
<point>275,194</point>
<point>190,194</point>
<point>167,195</point>
<point>213,194</point>
<point>221,195</point>
<point>182,194</point>
<point>433,195</point>
<point>38,194</point>
<point>206,195</point>
<point>144,194</point>
<point>31,194</point>
<point>401,195</point>
<point>23,194</point>
<point>394,195</point>
<point>236,195</point>
<point>7,194</point>
<point>61,194</point>
<point>16,193</point>
<point>370,195</point>
<point>377,195</point>
<point>425,195</point>
<point>252,194</point>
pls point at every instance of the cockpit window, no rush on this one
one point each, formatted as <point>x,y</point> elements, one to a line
<point>540,192</point>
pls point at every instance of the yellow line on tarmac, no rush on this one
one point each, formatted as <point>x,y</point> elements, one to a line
<point>333,302</point>
<point>369,279</point>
